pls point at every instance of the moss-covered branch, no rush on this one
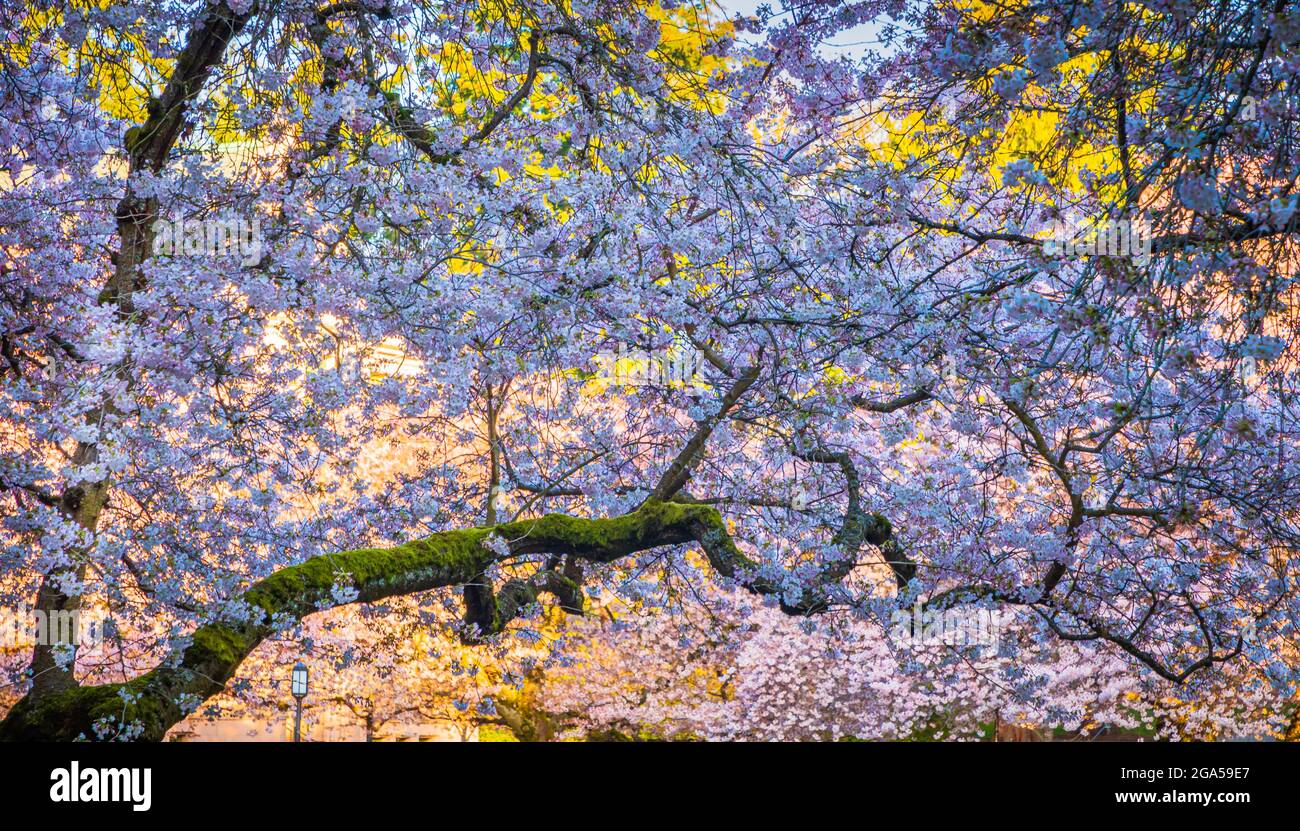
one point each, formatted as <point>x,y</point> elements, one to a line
<point>148,706</point>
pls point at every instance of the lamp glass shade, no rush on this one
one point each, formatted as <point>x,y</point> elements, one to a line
<point>299,680</point>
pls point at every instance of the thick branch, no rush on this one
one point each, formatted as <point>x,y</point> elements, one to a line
<point>893,404</point>
<point>148,706</point>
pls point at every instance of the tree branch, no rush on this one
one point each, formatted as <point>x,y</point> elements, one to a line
<point>679,471</point>
<point>146,707</point>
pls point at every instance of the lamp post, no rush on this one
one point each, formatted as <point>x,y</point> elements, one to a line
<point>298,688</point>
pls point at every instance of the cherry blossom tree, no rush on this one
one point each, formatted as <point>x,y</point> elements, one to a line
<point>255,252</point>
<point>744,671</point>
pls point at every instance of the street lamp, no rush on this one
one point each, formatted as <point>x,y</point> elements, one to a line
<point>298,688</point>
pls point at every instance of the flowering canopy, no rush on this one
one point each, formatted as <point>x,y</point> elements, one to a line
<point>301,304</point>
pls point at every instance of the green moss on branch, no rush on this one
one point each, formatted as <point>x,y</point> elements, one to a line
<point>148,706</point>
